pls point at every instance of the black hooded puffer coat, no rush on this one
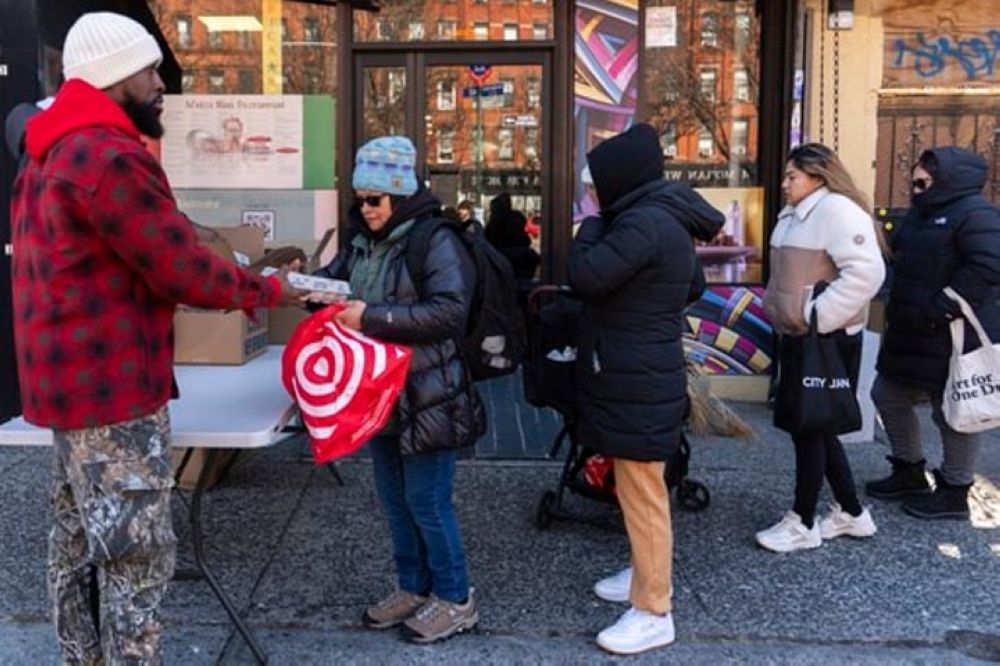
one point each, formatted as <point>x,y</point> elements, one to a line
<point>635,268</point>
<point>439,407</point>
<point>14,130</point>
<point>950,237</point>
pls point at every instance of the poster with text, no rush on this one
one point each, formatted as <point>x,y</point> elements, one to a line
<point>233,141</point>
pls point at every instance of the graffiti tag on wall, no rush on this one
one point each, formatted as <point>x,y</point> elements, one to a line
<point>977,56</point>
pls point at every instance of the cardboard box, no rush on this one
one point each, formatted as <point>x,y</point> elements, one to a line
<point>217,337</point>
<point>283,321</point>
<point>188,478</point>
<point>212,337</point>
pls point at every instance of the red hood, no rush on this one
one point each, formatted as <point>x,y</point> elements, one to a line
<point>77,105</point>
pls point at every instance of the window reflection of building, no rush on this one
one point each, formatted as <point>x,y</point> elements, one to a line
<point>215,39</point>
<point>445,146</point>
<point>741,92</point>
<point>706,144</point>
<point>741,135</point>
<point>461,20</point>
<point>708,78</point>
<point>505,144</point>
<point>533,88</point>
<point>508,84</point>
<point>247,82</point>
<point>216,81</point>
<point>446,95</point>
<point>668,141</point>
<point>703,93</point>
<point>710,29</point>
<point>184,39</point>
<point>531,145</point>
<point>219,45</point>
<point>446,29</point>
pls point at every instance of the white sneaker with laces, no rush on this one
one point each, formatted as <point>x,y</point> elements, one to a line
<point>615,588</point>
<point>789,534</point>
<point>839,523</point>
<point>637,631</point>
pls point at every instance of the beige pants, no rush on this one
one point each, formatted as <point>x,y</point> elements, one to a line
<point>645,502</point>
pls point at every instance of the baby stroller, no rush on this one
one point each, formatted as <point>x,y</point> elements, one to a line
<point>553,318</point>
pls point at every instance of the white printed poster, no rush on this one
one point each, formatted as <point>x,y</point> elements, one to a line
<point>233,141</point>
<point>661,26</point>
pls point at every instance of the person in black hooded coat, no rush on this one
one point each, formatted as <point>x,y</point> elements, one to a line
<point>950,237</point>
<point>634,267</point>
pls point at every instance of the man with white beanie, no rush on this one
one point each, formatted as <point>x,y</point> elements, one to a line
<point>101,258</point>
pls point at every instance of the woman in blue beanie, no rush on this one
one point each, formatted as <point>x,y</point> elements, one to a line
<point>438,411</point>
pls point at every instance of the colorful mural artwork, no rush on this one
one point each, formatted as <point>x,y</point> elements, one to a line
<point>728,332</point>
<point>606,81</point>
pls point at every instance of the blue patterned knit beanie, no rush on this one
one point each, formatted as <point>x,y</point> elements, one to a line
<point>386,164</point>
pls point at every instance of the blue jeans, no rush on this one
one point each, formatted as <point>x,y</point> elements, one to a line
<point>416,495</point>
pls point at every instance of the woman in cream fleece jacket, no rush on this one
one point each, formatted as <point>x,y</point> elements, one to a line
<point>824,236</point>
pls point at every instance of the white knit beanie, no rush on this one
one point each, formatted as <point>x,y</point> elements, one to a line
<point>104,48</point>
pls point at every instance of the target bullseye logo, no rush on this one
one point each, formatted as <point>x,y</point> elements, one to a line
<point>329,372</point>
<point>344,383</point>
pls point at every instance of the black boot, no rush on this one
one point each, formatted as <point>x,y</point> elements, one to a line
<point>947,502</point>
<point>906,479</point>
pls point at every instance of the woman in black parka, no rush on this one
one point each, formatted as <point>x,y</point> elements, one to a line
<point>634,267</point>
<point>950,237</point>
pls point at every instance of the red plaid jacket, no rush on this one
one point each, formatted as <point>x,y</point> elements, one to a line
<point>101,257</point>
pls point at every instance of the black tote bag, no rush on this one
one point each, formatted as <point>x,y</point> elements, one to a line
<point>817,382</point>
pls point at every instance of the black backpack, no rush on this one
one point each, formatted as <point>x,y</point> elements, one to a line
<point>494,340</point>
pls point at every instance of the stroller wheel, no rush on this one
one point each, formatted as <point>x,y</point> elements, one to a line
<point>692,495</point>
<point>543,514</point>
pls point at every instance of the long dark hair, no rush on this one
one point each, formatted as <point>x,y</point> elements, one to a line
<point>820,162</point>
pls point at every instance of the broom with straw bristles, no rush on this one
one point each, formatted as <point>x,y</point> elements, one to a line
<point>709,415</point>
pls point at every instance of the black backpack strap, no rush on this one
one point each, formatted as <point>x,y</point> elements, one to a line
<point>418,244</point>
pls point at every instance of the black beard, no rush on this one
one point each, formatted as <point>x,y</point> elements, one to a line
<point>144,116</point>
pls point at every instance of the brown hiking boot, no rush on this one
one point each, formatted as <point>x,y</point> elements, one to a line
<point>392,610</point>
<point>439,619</point>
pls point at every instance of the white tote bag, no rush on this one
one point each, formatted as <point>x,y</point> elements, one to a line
<point>972,393</point>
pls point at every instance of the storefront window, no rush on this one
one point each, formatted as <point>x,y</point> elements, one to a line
<point>701,73</point>
<point>447,20</point>
<point>250,139</point>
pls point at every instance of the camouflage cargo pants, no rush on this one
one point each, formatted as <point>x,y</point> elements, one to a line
<point>111,499</point>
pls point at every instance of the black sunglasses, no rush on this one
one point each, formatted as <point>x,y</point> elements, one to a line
<point>373,200</point>
<point>920,184</point>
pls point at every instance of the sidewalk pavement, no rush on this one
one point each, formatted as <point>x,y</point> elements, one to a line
<point>303,556</point>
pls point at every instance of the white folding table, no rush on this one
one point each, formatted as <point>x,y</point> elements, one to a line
<point>220,407</point>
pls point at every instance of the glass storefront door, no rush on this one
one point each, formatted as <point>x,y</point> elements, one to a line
<point>478,121</point>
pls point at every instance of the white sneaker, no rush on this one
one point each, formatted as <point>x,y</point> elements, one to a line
<point>637,631</point>
<point>838,523</point>
<point>789,535</point>
<point>615,588</point>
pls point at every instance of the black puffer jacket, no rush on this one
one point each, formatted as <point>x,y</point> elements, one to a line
<point>439,408</point>
<point>951,237</point>
<point>14,126</point>
<point>635,269</point>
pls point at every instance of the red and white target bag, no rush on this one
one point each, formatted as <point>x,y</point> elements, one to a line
<point>344,383</point>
